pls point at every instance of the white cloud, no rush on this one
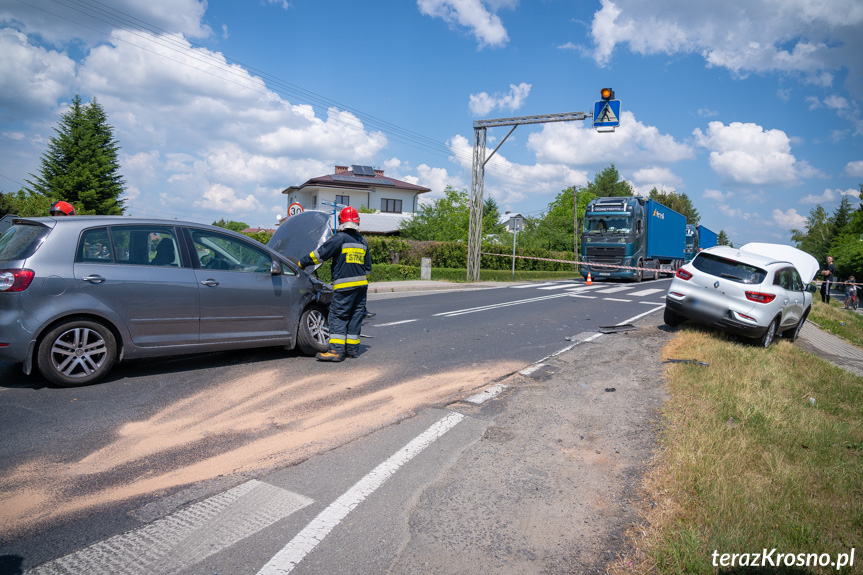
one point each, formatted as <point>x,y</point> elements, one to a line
<point>663,179</point>
<point>748,154</point>
<point>32,77</point>
<point>828,196</point>
<point>789,219</point>
<point>575,144</point>
<point>854,168</point>
<point>813,40</point>
<point>707,113</point>
<point>225,200</point>
<point>482,104</point>
<point>717,195</point>
<point>734,213</point>
<point>485,26</point>
<point>90,24</point>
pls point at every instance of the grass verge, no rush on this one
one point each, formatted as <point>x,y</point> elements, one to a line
<point>747,462</point>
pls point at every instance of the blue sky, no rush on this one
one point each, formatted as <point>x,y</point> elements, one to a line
<point>750,107</point>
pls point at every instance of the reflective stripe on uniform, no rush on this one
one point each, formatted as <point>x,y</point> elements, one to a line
<point>314,256</point>
<point>350,282</point>
<point>353,339</point>
<point>347,246</point>
<point>337,339</point>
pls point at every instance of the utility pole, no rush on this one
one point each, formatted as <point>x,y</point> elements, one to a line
<point>575,224</point>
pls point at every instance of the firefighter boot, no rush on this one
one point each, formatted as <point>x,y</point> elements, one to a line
<point>331,355</point>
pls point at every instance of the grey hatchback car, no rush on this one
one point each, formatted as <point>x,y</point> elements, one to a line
<point>78,294</point>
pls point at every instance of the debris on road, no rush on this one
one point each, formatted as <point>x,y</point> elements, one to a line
<point>616,328</point>
<point>692,361</point>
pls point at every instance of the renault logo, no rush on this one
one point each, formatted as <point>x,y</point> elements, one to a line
<point>716,285</point>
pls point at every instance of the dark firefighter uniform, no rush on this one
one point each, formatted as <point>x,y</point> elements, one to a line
<point>351,265</point>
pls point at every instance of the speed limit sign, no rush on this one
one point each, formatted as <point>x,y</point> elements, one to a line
<point>295,209</point>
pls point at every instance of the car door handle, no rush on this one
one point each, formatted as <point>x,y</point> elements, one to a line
<point>93,279</point>
<point>210,282</point>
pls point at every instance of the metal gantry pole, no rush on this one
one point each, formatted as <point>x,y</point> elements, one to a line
<point>478,175</point>
<point>476,204</point>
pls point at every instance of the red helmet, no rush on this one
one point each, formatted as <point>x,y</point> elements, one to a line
<point>61,208</point>
<point>349,214</point>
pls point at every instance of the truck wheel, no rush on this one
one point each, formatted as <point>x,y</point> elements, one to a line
<point>639,275</point>
<point>77,352</point>
<point>656,274</point>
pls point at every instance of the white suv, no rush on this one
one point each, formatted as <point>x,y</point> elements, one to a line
<point>755,291</point>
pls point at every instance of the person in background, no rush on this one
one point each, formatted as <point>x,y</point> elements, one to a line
<point>851,293</point>
<point>351,266</point>
<point>61,208</point>
<point>827,273</point>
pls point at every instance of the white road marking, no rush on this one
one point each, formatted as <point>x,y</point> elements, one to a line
<point>498,305</point>
<point>392,323</point>
<point>486,394</point>
<point>614,289</point>
<point>616,299</point>
<point>302,544</point>
<point>558,286</point>
<point>185,538</point>
<point>529,370</point>
<point>531,285</point>
<point>652,302</point>
<point>583,296</point>
<point>645,292</point>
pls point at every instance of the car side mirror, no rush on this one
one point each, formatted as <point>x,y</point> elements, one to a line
<point>275,268</point>
<point>812,288</point>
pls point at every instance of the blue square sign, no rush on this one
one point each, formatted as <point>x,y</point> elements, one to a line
<point>606,114</point>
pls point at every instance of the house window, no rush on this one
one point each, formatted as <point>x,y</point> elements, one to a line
<point>392,206</point>
<point>344,200</point>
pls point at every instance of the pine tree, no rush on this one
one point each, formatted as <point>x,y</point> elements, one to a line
<point>607,183</point>
<point>80,165</point>
<point>722,238</point>
<point>680,203</point>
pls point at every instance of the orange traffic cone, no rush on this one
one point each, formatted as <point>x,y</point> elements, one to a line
<point>589,281</point>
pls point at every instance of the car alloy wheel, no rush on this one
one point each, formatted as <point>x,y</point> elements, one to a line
<point>313,335</point>
<point>77,353</point>
<point>768,336</point>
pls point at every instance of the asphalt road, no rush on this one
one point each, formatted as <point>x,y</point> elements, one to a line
<point>80,465</point>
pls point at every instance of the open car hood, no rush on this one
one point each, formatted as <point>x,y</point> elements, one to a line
<point>302,234</point>
<point>804,262</point>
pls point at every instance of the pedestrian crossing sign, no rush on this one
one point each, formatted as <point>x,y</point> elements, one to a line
<point>606,114</point>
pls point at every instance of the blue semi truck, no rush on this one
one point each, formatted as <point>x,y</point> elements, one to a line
<point>631,232</point>
<point>698,238</point>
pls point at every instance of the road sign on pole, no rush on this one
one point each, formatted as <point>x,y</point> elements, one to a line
<point>606,114</point>
<point>295,209</point>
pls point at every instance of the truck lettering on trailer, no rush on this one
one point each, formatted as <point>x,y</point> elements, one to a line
<point>658,214</point>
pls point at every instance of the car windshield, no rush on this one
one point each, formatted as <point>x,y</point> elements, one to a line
<point>20,241</point>
<point>728,269</point>
<point>608,224</point>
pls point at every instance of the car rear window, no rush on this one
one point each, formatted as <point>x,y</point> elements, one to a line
<point>20,241</point>
<point>728,269</point>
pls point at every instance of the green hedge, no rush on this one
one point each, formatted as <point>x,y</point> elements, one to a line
<point>453,255</point>
<point>392,273</point>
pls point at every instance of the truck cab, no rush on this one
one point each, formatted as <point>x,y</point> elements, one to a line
<point>630,237</point>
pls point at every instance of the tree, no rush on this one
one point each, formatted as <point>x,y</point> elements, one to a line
<point>680,203</point>
<point>448,218</point>
<point>231,225</point>
<point>80,165</point>
<point>841,217</point>
<point>554,231</point>
<point>6,206</point>
<point>722,239</point>
<point>607,183</point>
<point>817,236</point>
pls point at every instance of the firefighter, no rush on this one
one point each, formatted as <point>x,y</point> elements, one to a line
<point>351,266</point>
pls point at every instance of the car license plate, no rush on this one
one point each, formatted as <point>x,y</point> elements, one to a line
<point>707,308</point>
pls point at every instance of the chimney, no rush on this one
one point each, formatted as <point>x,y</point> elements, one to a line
<point>379,172</point>
<point>341,169</point>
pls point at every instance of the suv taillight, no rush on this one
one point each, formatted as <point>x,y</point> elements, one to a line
<point>15,280</point>
<point>760,297</point>
<point>683,274</point>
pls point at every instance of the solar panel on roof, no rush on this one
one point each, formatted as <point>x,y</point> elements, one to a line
<point>363,180</point>
<point>363,170</point>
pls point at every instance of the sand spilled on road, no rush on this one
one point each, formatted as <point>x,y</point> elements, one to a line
<point>249,424</point>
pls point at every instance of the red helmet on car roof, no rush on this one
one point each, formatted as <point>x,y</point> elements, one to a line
<point>61,208</point>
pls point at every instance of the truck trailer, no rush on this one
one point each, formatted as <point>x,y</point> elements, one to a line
<point>633,237</point>
<point>698,238</point>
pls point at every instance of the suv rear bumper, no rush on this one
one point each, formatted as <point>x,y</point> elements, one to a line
<point>725,322</point>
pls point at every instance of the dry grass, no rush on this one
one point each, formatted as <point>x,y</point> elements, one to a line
<point>746,462</point>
